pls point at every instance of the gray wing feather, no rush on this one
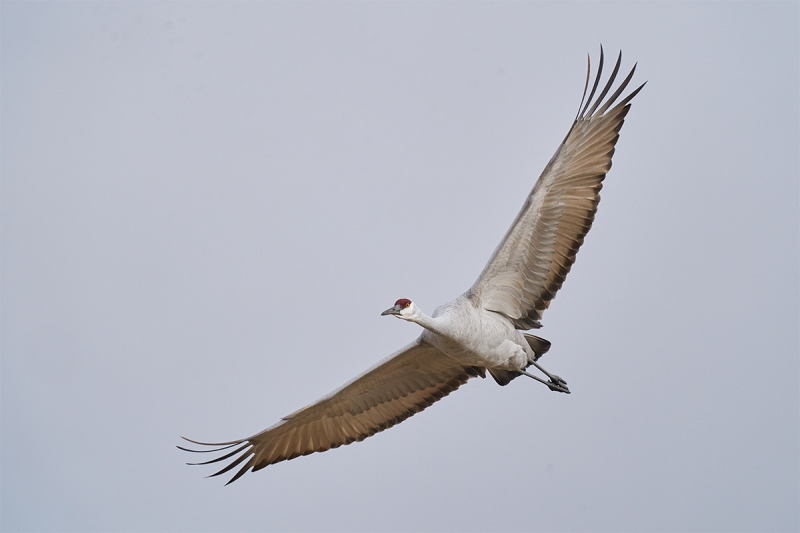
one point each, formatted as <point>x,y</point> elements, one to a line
<point>393,390</point>
<point>532,261</point>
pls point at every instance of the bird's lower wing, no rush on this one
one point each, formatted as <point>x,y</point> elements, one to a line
<point>393,390</point>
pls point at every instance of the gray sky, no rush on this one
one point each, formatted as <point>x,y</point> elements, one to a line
<point>205,207</point>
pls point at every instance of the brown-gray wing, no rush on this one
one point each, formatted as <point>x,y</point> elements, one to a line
<point>396,388</point>
<point>533,259</point>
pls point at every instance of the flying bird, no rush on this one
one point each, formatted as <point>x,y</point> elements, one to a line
<point>482,330</point>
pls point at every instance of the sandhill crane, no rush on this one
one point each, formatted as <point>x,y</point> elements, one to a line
<point>481,330</point>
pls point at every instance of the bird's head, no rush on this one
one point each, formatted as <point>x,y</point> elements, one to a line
<point>402,308</point>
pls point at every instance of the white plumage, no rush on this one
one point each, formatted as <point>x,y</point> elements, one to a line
<point>481,329</point>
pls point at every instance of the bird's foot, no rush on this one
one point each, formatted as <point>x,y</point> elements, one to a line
<point>557,384</point>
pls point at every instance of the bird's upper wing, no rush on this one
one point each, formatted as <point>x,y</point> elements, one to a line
<point>533,259</point>
<point>393,390</point>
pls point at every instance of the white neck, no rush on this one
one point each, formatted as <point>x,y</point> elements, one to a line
<point>427,322</point>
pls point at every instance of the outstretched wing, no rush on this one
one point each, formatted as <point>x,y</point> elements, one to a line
<point>393,390</point>
<point>532,261</point>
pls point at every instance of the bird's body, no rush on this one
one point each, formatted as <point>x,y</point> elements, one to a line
<point>473,336</point>
<point>481,330</point>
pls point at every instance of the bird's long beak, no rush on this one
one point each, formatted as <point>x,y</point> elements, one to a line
<point>394,310</point>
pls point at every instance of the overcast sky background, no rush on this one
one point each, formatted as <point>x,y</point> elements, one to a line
<point>206,206</point>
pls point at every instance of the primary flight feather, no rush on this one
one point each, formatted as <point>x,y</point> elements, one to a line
<point>480,330</point>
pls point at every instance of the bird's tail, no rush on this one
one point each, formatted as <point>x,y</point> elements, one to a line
<point>537,344</point>
<point>539,347</point>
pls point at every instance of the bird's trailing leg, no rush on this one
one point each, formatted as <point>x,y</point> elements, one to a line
<point>555,384</point>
